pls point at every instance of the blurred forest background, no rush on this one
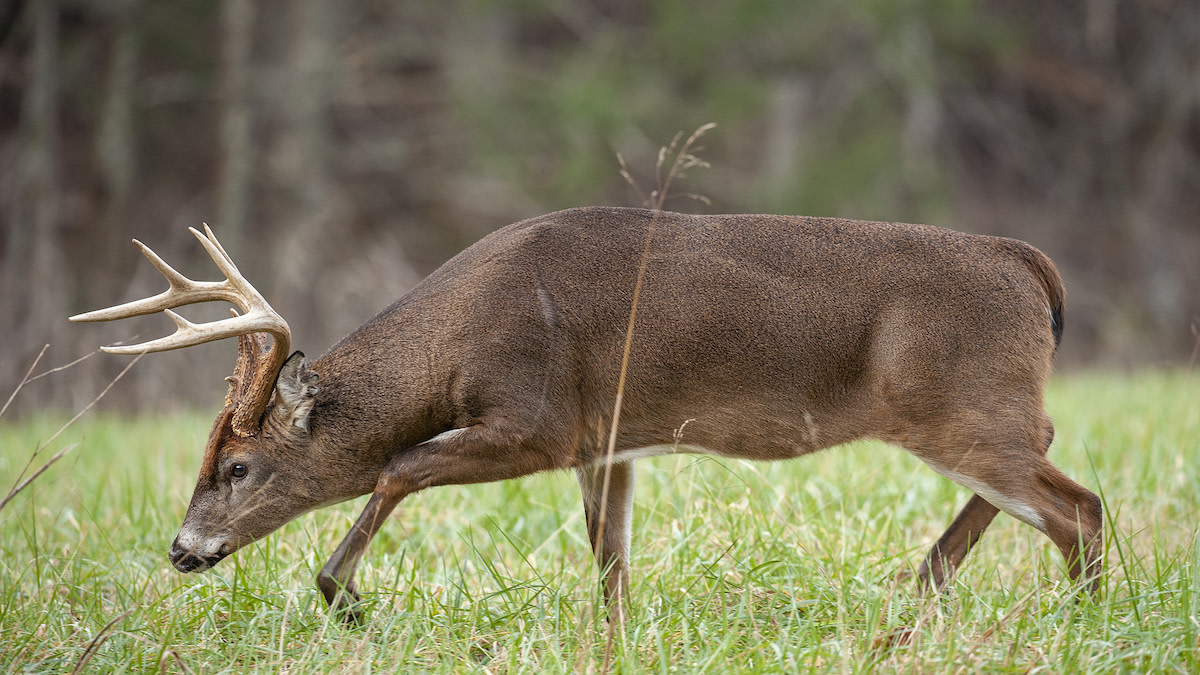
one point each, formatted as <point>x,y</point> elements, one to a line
<point>342,150</point>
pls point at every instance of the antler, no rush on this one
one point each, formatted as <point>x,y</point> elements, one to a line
<point>257,317</point>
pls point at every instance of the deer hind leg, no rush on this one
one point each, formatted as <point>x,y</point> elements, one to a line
<point>1018,479</point>
<point>944,559</point>
<point>610,545</point>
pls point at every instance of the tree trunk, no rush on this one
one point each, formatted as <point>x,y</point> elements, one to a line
<point>35,281</point>
<point>237,145</point>
<point>303,167</point>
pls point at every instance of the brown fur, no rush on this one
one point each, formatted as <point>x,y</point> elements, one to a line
<point>770,336</point>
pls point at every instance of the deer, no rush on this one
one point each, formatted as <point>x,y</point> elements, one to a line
<point>757,337</point>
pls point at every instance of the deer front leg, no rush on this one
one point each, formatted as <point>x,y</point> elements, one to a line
<point>947,554</point>
<point>480,453</point>
<point>610,541</point>
<point>336,578</point>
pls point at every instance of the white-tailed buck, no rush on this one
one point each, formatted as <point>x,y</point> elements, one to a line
<point>772,336</point>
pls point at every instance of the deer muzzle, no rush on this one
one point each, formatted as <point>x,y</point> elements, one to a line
<point>195,554</point>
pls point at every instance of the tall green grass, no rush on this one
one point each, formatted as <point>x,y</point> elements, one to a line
<point>788,567</point>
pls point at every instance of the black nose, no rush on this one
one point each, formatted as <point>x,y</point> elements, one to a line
<point>186,561</point>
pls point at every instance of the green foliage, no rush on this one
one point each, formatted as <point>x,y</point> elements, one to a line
<point>628,83</point>
<point>787,567</point>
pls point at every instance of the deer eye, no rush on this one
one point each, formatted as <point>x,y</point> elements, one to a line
<point>238,471</point>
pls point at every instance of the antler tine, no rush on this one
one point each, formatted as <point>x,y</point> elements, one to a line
<point>256,310</point>
<point>225,263</point>
<point>213,238</point>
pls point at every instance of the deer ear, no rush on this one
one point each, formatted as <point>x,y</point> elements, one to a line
<point>296,391</point>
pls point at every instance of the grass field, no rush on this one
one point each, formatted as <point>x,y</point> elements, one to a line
<point>792,567</point>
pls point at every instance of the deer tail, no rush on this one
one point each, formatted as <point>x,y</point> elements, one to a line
<point>1043,269</point>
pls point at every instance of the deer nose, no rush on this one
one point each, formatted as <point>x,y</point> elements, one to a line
<point>188,559</point>
<point>182,558</point>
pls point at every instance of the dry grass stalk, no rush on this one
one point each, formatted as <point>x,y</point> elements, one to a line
<point>684,158</point>
<point>22,482</point>
<point>94,645</point>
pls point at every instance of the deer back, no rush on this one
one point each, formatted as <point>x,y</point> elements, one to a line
<point>751,328</point>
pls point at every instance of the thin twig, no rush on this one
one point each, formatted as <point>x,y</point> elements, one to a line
<point>96,400</point>
<point>64,367</point>
<point>17,489</point>
<point>1196,348</point>
<point>24,380</point>
<point>42,469</point>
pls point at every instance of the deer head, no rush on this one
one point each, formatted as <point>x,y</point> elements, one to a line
<point>255,448</point>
